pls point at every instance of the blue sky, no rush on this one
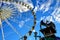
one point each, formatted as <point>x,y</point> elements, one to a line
<point>44,9</point>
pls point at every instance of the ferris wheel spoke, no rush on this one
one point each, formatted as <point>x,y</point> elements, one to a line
<point>12,27</point>
<point>14,20</point>
<point>2,33</point>
<point>2,30</point>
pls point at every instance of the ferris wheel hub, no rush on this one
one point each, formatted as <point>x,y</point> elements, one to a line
<point>5,13</point>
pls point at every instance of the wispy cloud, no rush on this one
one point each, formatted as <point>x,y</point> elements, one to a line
<point>44,7</point>
<point>56,14</point>
<point>35,10</point>
<point>22,23</point>
<point>50,18</point>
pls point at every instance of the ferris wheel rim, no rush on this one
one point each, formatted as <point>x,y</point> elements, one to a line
<point>33,15</point>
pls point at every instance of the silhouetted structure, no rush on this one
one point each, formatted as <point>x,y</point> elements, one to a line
<point>36,36</point>
<point>49,31</point>
<point>30,33</point>
<point>35,33</point>
<point>25,37</point>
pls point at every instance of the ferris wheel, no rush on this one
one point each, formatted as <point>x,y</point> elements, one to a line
<point>16,15</point>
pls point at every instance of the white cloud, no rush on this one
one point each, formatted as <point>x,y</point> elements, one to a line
<point>50,18</point>
<point>36,9</point>
<point>24,0</point>
<point>47,5</point>
<point>53,13</point>
<point>27,19</point>
<point>44,6</point>
<point>21,24</point>
<point>56,14</point>
<point>42,18</point>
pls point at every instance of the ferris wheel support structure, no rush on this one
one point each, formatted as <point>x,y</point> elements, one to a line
<point>2,29</point>
<point>23,4</point>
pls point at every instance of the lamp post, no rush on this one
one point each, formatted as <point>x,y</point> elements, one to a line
<point>36,36</point>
